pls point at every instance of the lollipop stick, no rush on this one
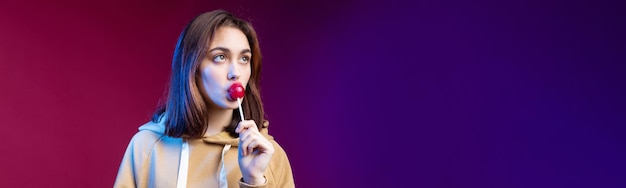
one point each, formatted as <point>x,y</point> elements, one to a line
<point>240,108</point>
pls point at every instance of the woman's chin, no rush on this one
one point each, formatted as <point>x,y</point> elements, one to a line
<point>226,105</point>
<point>231,105</point>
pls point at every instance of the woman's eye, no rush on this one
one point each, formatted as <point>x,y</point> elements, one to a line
<point>219,58</point>
<point>245,59</point>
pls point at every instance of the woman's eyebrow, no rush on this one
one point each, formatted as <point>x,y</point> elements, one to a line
<point>228,51</point>
<point>219,48</point>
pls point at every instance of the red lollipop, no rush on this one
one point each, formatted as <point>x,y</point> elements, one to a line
<point>235,91</point>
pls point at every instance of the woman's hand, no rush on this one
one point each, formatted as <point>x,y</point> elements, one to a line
<point>255,152</point>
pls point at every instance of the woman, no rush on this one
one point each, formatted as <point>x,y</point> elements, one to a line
<point>197,139</point>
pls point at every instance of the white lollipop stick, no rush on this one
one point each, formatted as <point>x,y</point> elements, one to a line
<point>240,108</point>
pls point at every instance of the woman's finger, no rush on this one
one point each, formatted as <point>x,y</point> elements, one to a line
<point>245,134</point>
<point>244,139</point>
<point>244,143</point>
<point>264,146</point>
<point>250,147</point>
<point>243,125</point>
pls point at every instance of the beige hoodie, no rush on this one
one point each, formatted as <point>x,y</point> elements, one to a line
<point>152,160</point>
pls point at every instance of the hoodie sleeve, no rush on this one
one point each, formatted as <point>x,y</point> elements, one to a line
<point>245,185</point>
<point>126,173</point>
<point>278,173</point>
<point>136,154</point>
<point>280,168</point>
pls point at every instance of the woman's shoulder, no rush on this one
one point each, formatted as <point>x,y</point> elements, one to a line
<point>278,149</point>
<point>265,132</point>
<point>148,135</point>
<point>143,141</point>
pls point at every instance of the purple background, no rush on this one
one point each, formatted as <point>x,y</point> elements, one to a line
<point>359,94</point>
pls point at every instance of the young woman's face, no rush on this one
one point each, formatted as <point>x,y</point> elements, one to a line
<point>226,62</point>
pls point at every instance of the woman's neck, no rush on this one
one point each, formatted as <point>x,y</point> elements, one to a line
<point>218,119</point>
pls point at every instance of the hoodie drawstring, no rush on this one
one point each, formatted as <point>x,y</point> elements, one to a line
<point>223,182</point>
<point>184,165</point>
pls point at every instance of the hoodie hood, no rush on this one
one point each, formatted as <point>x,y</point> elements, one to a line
<point>223,138</point>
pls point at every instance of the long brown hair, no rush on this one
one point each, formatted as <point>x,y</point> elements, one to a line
<point>185,110</point>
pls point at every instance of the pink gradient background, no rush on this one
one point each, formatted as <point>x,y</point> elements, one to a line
<point>360,94</point>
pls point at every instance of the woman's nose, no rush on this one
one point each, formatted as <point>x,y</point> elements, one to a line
<point>233,72</point>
